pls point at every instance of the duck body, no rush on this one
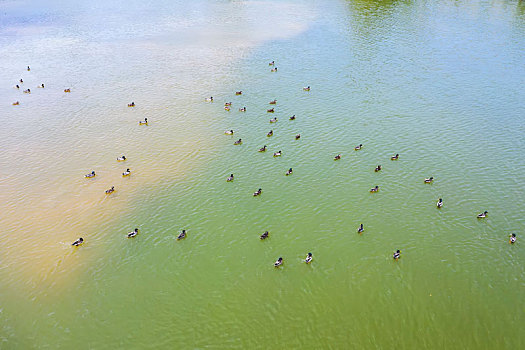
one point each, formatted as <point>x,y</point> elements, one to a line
<point>308,258</point>
<point>357,148</point>
<point>111,190</point>
<point>262,149</point>
<point>271,63</point>
<point>277,154</point>
<point>257,193</point>
<point>273,102</point>
<point>298,136</point>
<point>292,117</point>
<point>439,204</point>
<point>306,88</point>
<point>273,120</point>
<point>78,242</point>
<point>126,173</point>
<point>243,109</point>
<point>133,233</point>
<point>264,235</point>
<point>238,92</point>
<point>278,263</point>
<point>121,159</point>
<point>289,172</point>
<point>132,104</point>
<point>271,110</point>
<point>229,178</point>
<point>512,238</point>
<point>143,122</point>
<point>229,132</point>
<point>270,133</point>
<point>16,103</point>
<point>378,168</point>
<point>227,104</point>
<point>28,91</point>
<point>274,69</point>
<point>374,189</point>
<point>67,90</point>
<point>482,215</point>
<point>360,229</point>
<point>92,174</point>
<point>182,235</point>
<point>396,157</point>
<point>397,254</point>
<point>209,99</point>
<point>429,180</point>
<point>337,157</point>
<point>238,142</point>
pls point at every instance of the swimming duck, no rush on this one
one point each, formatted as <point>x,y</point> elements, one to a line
<point>132,104</point>
<point>397,254</point>
<point>337,157</point>
<point>292,117</point>
<point>67,90</point>
<point>78,242</point>
<point>227,104</point>
<point>264,235</point>
<point>374,189</point>
<point>271,110</point>
<point>16,103</point>
<point>512,238</point>
<point>262,149</point>
<point>271,63</point>
<point>111,190</point>
<point>482,215</point>
<point>289,172</point>
<point>278,263</point>
<point>396,157</point>
<point>277,154</point>
<point>273,102</point>
<point>270,133</point>
<point>357,148</point>
<point>226,108</point>
<point>133,233</point>
<point>243,109</point>
<point>439,203</point>
<point>274,69</point>
<point>257,193</point>
<point>92,174</point>
<point>181,235</point>
<point>121,159</point>
<point>360,229</point>
<point>126,173</point>
<point>229,132</point>
<point>209,99</point>
<point>273,120</point>
<point>28,91</point>
<point>238,142</point>
<point>21,80</point>
<point>28,69</point>
<point>17,86</point>
<point>143,122</point>
<point>309,258</point>
<point>41,85</point>
<point>229,178</point>
<point>307,88</point>
<point>298,136</point>
<point>378,168</point>
<point>238,92</point>
<point>429,180</point>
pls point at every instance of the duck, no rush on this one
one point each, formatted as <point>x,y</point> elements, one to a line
<point>439,204</point>
<point>397,254</point>
<point>78,242</point>
<point>143,122</point>
<point>307,88</point>
<point>229,178</point>
<point>16,103</point>
<point>374,189</point>
<point>126,173</point>
<point>121,159</point>
<point>28,69</point>
<point>337,157</point>
<point>243,109</point>
<point>273,102</point>
<point>21,81</point>
<point>227,104</point>
<point>271,110</point>
<point>482,215</point>
<point>270,133</point>
<point>378,168</point>
<point>262,149</point>
<point>357,148</point>
<point>298,136</point>
<point>229,132</point>
<point>429,180</point>
<point>67,90</point>
<point>277,154</point>
<point>132,104</point>
<point>274,69</point>
<point>238,142</point>
<point>257,193</point>
<point>111,190</point>
<point>271,63</point>
<point>396,157</point>
<point>226,108</point>
<point>238,92</point>
<point>133,233</point>
<point>360,229</point>
<point>292,117</point>
<point>41,86</point>
<point>17,86</point>
<point>92,174</point>
<point>273,120</point>
<point>28,91</point>
<point>209,99</point>
<point>309,258</point>
<point>512,238</point>
<point>264,235</point>
<point>278,263</point>
<point>289,172</point>
<point>181,235</point>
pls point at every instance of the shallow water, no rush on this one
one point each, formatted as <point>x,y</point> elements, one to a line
<point>440,83</point>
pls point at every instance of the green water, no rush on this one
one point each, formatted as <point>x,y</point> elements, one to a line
<point>440,83</point>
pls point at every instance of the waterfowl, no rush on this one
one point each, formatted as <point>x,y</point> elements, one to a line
<point>41,85</point>
<point>28,91</point>
<point>270,133</point>
<point>126,173</point>
<point>482,215</point>
<point>307,88</point>
<point>229,178</point>
<point>274,69</point>
<point>226,108</point>
<point>121,159</point>
<point>277,154</point>
<point>143,122</point>
<point>67,90</point>
<point>271,63</point>
<point>278,263</point>
<point>181,235</point>
<point>309,258</point>
<point>429,180</point>
<point>357,148</point>
<point>21,81</point>
<point>16,103</point>
<point>132,104</point>
<point>292,117</point>
<point>273,120</point>
<point>289,172</point>
<point>374,189</point>
<point>512,238</point>
<point>227,104</point>
<point>273,102</point>
<point>360,229</point>
<point>257,193</point>
<point>271,110</point>
<point>17,86</point>
<point>92,174</point>
<point>243,109</point>
<point>229,132</point>
<point>264,235</point>
<point>397,254</point>
<point>78,242</point>
<point>238,92</point>
<point>439,204</point>
<point>378,168</point>
<point>111,190</point>
<point>28,69</point>
<point>262,149</point>
<point>133,233</point>
<point>396,157</point>
<point>298,136</point>
<point>209,99</point>
<point>238,142</point>
<point>337,157</point>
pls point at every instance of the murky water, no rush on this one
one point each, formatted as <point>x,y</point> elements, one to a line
<point>440,83</point>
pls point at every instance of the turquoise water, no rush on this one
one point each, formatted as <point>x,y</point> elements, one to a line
<point>440,83</point>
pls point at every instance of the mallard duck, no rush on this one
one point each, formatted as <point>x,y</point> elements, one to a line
<point>273,120</point>
<point>289,172</point>
<point>278,263</point>
<point>257,193</point>
<point>512,238</point>
<point>273,102</point>
<point>229,132</point>
<point>309,258</point>
<point>292,117</point>
<point>397,254</point>
<point>92,174</point>
<point>378,168</point>
<point>181,235</point>
<point>307,88</point>
<point>238,92</point>
<point>133,233</point>
<point>337,157</point>
<point>78,242</point>
<point>396,157</point>
<point>277,154</point>
<point>271,110</point>
<point>429,180</point>
<point>143,122</point>
<point>132,104</point>
<point>262,149</point>
<point>374,189</point>
<point>121,159</point>
<point>357,148</point>
<point>126,173</point>
<point>270,133</point>
<point>111,190</point>
<point>238,142</point>
<point>209,99</point>
<point>360,229</point>
<point>264,235</point>
<point>482,215</point>
<point>439,204</point>
<point>229,178</point>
